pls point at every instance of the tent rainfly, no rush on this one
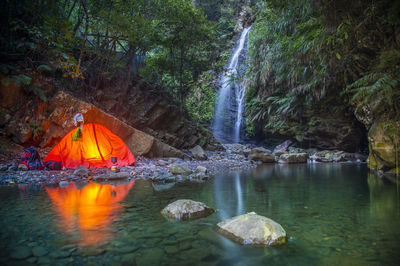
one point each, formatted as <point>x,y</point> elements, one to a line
<point>94,147</point>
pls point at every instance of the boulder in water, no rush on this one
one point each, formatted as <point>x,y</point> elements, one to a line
<point>185,209</point>
<point>293,158</point>
<point>253,229</point>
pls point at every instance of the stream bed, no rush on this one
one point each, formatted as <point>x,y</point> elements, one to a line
<point>334,214</point>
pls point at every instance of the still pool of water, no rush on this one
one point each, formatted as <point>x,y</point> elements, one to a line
<point>335,214</point>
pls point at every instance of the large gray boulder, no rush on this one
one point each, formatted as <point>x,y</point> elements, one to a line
<point>282,148</point>
<point>185,209</point>
<point>253,229</point>
<point>293,158</point>
<point>198,153</point>
<point>261,154</point>
<point>179,169</point>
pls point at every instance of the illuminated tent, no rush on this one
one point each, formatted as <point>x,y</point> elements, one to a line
<point>94,148</point>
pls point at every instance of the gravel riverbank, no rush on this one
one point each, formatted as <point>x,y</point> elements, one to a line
<point>156,169</point>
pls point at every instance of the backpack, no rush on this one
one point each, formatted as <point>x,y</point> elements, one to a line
<point>53,165</point>
<point>31,158</point>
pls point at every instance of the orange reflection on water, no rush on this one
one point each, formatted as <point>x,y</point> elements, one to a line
<point>90,209</point>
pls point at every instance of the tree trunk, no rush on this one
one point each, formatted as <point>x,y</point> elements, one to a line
<point>125,85</point>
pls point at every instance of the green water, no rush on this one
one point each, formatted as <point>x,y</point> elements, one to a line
<point>334,214</point>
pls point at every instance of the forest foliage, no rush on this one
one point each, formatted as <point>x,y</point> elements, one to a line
<point>322,56</point>
<point>168,43</point>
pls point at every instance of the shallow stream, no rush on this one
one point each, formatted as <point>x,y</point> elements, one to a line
<point>335,214</point>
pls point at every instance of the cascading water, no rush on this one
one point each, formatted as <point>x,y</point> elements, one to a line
<point>228,117</point>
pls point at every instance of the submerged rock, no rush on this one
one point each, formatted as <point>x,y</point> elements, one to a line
<point>20,253</point>
<point>161,187</point>
<point>293,158</point>
<point>253,229</point>
<point>185,209</point>
<point>179,169</point>
<point>39,251</point>
<point>198,153</point>
<point>261,154</point>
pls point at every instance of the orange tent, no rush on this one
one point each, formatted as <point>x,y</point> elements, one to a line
<point>94,148</point>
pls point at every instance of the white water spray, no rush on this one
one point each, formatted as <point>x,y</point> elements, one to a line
<point>228,116</point>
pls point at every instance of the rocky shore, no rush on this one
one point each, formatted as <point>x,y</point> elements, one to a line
<point>198,166</point>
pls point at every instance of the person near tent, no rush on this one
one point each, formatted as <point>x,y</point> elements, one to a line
<point>78,122</point>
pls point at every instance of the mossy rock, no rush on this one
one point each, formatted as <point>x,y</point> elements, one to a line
<point>383,146</point>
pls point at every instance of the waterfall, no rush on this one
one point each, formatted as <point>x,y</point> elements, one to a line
<point>228,117</point>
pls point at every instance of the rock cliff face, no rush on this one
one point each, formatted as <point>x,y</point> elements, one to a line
<point>326,133</point>
<point>384,145</point>
<point>59,118</point>
<point>149,111</point>
<point>29,121</point>
<point>146,121</point>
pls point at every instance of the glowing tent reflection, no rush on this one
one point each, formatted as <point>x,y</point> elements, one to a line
<point>89,210</point>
